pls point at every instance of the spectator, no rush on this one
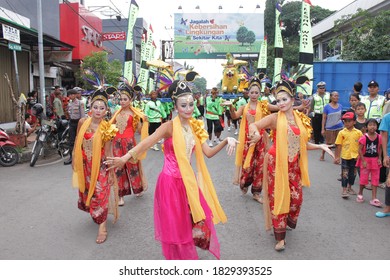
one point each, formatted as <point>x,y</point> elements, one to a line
<point>320,99</point>
<point>76,112</point>
<point>374,102</point>
<point>386,108</point>
<point>57,104</point>
<point>384,128</point>
<point>29,125</point>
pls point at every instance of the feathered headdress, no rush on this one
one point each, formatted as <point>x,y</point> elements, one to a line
<point>297,76</point>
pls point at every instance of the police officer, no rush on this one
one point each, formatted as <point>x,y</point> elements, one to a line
<point>374,102</point>
<point>76,112</point>
<point>320,99</point>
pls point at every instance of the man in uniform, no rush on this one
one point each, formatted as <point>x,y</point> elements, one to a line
<point>76,112</point>
<point>320,99</point>
<point>374,102</point>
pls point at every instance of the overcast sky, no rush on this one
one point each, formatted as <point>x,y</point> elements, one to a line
<point>160,15</point>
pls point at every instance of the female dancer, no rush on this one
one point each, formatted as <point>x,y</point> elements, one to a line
<point>186,206</point>
<point>98,191</point>
<point>249,160</point>
<point>128,121</point>
<point>286,166</point>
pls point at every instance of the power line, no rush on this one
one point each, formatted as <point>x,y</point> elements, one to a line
<point>118,9</point>
<point>68,4</point>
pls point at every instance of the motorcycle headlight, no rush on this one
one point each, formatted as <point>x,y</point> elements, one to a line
<point>45,128</point>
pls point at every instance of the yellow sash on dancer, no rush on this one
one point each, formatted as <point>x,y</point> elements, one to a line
<point>144,129</point>
<point>189,178</point>
<point>261,111</point>
<point>104,133</point>
<point>282,189</point>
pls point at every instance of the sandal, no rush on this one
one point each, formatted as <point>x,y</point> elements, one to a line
<point>258,198</point>
<point>351,192</point>
<point>345,195</point>
<point>359,198</point>
<point>101,237</point>
<point>375,202</point>
<point>244,190</point>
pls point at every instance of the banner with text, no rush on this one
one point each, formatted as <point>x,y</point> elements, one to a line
<point>208,35</point>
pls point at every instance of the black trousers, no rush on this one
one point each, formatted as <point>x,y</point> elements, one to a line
<point>317,127</point>
<point>72,133</point>
<point>387,196</point>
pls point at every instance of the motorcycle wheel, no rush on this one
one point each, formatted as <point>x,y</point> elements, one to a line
<point>63,146</point>
<point>35,153</point>
<point>9,156</point>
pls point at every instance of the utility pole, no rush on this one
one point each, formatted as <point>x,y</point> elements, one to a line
<point>40,54</point>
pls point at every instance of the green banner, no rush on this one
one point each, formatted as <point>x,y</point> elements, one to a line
<point>209,35</point>
<point>278,44</point>
<point>128,67</point>
<point>262,63</point>
<point>306,47</point>
<point>147,54</point>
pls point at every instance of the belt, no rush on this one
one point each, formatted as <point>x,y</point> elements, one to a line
<point>211,113</point>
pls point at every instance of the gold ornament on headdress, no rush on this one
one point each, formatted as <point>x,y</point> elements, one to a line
<point>254,82</point>
<point>99,97</point>
<point>284,86</point>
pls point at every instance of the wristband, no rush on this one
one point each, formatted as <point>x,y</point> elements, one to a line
<point>133,156</point>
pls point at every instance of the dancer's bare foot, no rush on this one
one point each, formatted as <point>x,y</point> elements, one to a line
<point>102,234</point>
<point>280,246</point>
<point>121,201</point>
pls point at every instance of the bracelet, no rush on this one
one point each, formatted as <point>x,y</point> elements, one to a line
<point>133,156</point>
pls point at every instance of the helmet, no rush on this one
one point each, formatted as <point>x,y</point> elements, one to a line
<point>37,109</point>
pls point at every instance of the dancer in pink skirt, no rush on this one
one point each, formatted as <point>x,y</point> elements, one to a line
<point>186,206</point>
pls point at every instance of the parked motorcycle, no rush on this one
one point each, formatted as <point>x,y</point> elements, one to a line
<point>53,134</point>
<point>9,156</point>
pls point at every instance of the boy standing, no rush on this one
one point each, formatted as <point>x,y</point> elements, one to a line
<point>347,143</point>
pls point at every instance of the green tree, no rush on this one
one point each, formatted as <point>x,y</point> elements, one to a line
<point>250,37</point>
<point>291,18</point>
<point>200,85</point>
<point>98,62</point>
<point>269,19</point>
<point>241,34</point>
<point>365,36</point>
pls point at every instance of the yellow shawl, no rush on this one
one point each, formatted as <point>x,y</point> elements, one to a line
<point>144,129</point>
<point>261,111</point>
<point>204,180</point>
<point>104,133</point>
<point>282,189</point>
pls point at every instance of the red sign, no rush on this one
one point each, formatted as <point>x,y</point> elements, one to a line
<point>114,36</point>
<point>81,29</point>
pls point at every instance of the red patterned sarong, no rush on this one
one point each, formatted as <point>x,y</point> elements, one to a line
<point>290,219</point>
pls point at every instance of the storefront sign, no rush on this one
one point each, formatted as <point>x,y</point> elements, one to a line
<point>114,36</point>
<point>14,47</point>
<point>11,34</point>
<point>91,36</point>
<point>84,33</point>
